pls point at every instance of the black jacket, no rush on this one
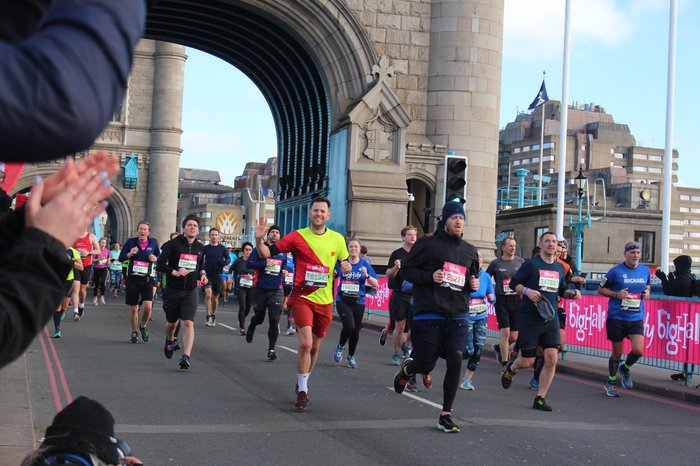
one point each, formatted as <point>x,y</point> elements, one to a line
<point>430,254</point>
<point>33,272</point>
<point>681,282</point>
<point>169,260</point>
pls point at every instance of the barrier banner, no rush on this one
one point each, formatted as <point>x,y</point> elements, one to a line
<point>380,300</point>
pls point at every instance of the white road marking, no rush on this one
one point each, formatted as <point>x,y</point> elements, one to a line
<point>417,398</point>
<point>288,349</point>
<point>226,326</point>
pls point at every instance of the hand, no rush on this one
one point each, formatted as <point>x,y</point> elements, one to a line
<point>438,276</point>
<point>181,272</point>
<point>204,279</point>
<point>88,167</point>
<point>534,295</point>
<point>345,267</point>
<point>67,214</point>
<point>152,258</point>
<point>646,294</point>
<point>397,263</point>
<point>260,229</point>
<point>622,294</point>
<point>575,294</point>
<point>474,283</point>
<point>364,271</point>
<point>579,280</point>
<point>134,250</point>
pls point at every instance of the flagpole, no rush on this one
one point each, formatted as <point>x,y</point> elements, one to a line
<point>564,111</point>
<point>668,150</point>
<point>539,186</point>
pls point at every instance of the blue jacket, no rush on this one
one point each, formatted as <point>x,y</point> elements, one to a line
<point>264,279</point>
<point>141,255</point>
<point>62,78</point>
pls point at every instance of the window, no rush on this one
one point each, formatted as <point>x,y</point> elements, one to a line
<point>685,197</point>
<point>676,236</point>
<point>685,210</point>
<point>548,158</point>
<point>516,150</point>
<point>583,147</point>
<point>619,155</point>
<point>525,161</point>
<point>535,160</point>
<point>695,210</point>
<point>535,147</point>
<point>205,214</point>
<point>639,169</point>
<point>694,247</point>
<point>548,145</point>
<point>526,148</point>
<point>646,239</point>
<point>695,198</point>
<point>639,156</point>
<point>204,229</point>
<point>675,250</point>
<point>516,163</point>
<point>693,234</point>
<point>654,170</point>
<point>539,231</point>
<point>694,222</point>
<point>655,158</point>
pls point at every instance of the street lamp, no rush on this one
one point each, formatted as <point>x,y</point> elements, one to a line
<point>580,225</point>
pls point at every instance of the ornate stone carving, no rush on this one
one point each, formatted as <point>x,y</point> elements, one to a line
<point>378,138</point>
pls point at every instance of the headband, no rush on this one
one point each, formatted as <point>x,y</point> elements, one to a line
<point>632,247</point>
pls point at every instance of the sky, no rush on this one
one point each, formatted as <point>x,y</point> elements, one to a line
<point>618,59</point>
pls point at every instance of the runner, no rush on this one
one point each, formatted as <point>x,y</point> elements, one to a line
<point>316,250</point>
<point>60,314</point>
<point>350,302</point>
<point>142,252</point>
<point>287,287</point>
<point>476,324</point>
<point>115,269</point>
<point>243,278</point>
<point>86,245</point>
<point>99,272</point>
<point>226,274</point>
<point>182,262</point>
<point>540,281</point>
<point>215,259</point>
<point>627,286</point>
<point>443,269</point>
<point>503,269</point>
<point>399,301</point>
<point>268,294</point>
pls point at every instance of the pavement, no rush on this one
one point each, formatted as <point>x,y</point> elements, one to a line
<point>17,429</point>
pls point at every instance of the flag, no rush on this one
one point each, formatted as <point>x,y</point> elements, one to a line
<point>12,173</point>
<point>268,192</point>
<point>541,97</point>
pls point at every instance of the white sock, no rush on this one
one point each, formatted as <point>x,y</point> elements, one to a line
<point>75,310</point>
<point>302,380</point>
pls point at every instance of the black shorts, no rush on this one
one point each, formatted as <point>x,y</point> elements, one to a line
<point>138,289</point>
<point>180,304</point>
<point>267,299</point>
<point>287,290</point>
<point>618,330</point>
<point>538,333</point>
<point>561,313</point>
<point>507,311</point>
<point>398,305</point>
<point>216,285</point>
<point>69,288</point>
<point>434,338</point>
<point>83,275</point>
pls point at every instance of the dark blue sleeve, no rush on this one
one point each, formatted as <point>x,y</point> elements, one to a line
<point>522,275</point>
<point>125,250</point>
<point>60,87</point>
<point>254,261</point>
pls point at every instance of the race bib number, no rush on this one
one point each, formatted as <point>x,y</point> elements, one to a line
<point>455,276</point>
<point>273,266</point>
<point>139,268</point>
<point>316,275</point>
<point>477,307</point>
<point>188,262</point>
<point>289,279</point>
<point>632,302</point>
<point>246,282</point>
<point>102,261</point>
<point>507,289</point>
<point>226,269</point>
<point>350,288</point>
<point>549,281</point>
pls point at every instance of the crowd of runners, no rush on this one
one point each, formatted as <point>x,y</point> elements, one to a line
<point>440,295</point>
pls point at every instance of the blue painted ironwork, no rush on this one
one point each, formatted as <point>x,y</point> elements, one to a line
<point>131,172</point>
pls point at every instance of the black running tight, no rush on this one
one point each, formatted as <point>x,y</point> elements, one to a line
<point>452,375</point>
<point>351,316</point>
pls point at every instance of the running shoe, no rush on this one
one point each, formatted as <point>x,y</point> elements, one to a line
<point>213,320</point>
<point>540,404</point>
<point>406,350</point>
<point>383,336</point>
<point>611,390</point>
<point>134,337</point>
<point>396,359</point>
<point>411,386</point>
<point>208,322</point>
<point>63,316</point>
<point>534,384</point>
<point>241,332</point>
<point>446,424</point>
<point>144,334</point>
<point>497,349</point>
<point>102,299</point>
<point>626,377</point>
<point>507,377</point>
<point>168,349</point>
<point>76,316</point>
<point>678,377</point>
<point>184,362</point>
<point>291,331</point>
<point>428,380</point>
<point>271,355</point>
<point>250,333</point>
<point>81,310</point>
<point>352,362</point>
<point>302,402</point>
<point>401,379</point>
<point>338,353</point>
<point>57,334</point>
<point>467,385</point>
<point>94,301</point>
<point>176,345</point>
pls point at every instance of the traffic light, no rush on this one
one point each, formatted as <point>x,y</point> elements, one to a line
<point>455,178</point>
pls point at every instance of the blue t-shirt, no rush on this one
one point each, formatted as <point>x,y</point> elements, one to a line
<point>478,307</point>
<point>636,281</point>
<point>214,259</point>
<point>548,279</point>
<point>268,272</point>
<point>352,284</point>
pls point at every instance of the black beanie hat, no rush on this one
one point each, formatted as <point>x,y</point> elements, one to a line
<point>452,208</point>
<point>274,227</point>
<point>86,423</point>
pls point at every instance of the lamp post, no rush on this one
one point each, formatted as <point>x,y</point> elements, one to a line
<point>581,224</point>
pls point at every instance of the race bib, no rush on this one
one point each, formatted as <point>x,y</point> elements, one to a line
<point>316,275</point>
<point>139,268</point>
<point>350,288</point>
<point>507,289</point>
<point>246,282</point>
<point>188,262</point>
<point>477,307</point>
<point>455,276</point>
<point>632,302</point>
<point>289,279</point>
<point>102,261</point>
<point>226,269</point>
<point>549,281</point>
<point>273,266</point>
